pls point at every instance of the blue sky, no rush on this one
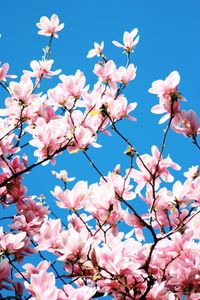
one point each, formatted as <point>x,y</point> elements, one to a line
<point>169,40</point>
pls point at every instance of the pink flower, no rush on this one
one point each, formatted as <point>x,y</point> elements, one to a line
<point>33,106</point>
<point>71,199</point>
<point>180,193</point>
<point>22,91</point>
<point>186,123</point>
<point>129,39</point>
<point>96,51</point>
<point>194,226</point>
<point>73,85</point>
<point>48,136</point>
<point>134,221</point>
<point>164,88</point>
<point>5,269</point>
<point>182,274</point>
<point>63,175</point>
<point>165,106</point>
<point>10,242</point>
<point>7,139</point>
<point>105,72</point>
<point>41,69</point>
<point>80,293</point>
<point>145,175</point>
<point>49,236</point>
<point>42,286</point>
<point>77,223</point>
<point>59,97</point>
<point>119,259</point>
<point>167,91</point>
<point>102,203</point>
<point>74,245</point>
<point>163,203</point>
<point>93,100</point>
<point>30,269</point>
<point>31,216</point>
<point>192,172</point>
<point>119,108</point>
<point>83,138</point>
<point>194,192</point>
<point>49,27</point>
<point>15,244</point>
<point>160,292</point>
<point>3,72</point>
<point>124,75</point>
<point>120,184</point>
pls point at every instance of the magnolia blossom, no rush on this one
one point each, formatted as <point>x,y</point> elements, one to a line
<point>41,69</point>
<point>97,51</point>
<point>136,224</point>
<point>5,270</point>
<point>71,199</point>
<point>63,175</point>
<point>183,274</point>
<point>129,39</point>
<point>17,193</point>
<point>120,184</point>
<point>164,88</point>
<point>31,216</point>
<point>192,172</point>
<point>49,235</point>
<point>29,109</point>
<point>77,223</point>
<point>59,97</point>
<point>160,292</point>
<point>3,72</point>
<point>7,143</point>
<point>194,192</point>
<point>167,91</point>
<point>22,91</point>
<point>49,27</point>
<point>30,269</point>
<point>93,100</point>
<point>80,293</point>
<point>186,123</point>
<point>105,72</point>
<point>42,286</point>
<point>164,201</point>
<point>83,137</point>
<point>122,259</point>
<point>48,136</point>
<point>148,165</point>
<point>74,245</point>
<point>15,244</point>
<point>124,75</point>
<point>73,85</point>
<point>119,108</point>
<point>102,203</point>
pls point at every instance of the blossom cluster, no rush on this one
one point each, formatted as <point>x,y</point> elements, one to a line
<point>105,247</point>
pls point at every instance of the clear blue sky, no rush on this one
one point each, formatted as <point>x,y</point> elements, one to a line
<point>169,40</point>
